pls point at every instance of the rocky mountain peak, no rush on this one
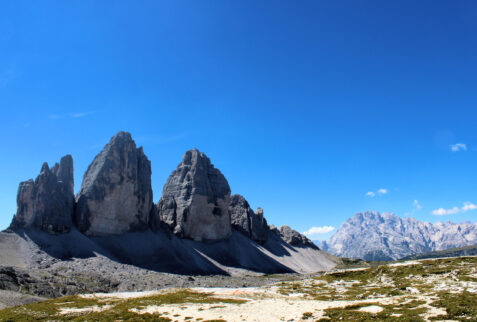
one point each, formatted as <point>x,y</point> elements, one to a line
<point>195,200</point>
<point>116,198</point>
<point>45,168</point>
<point>48,202</point>
<point>116,194</point>
<point>292,237</point>
<point>122,136</point>
<point>245,220</point>
<point>375,236</point>
<point>367,216</point>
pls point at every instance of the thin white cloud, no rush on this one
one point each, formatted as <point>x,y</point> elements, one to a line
<point>468,206</point>
<point>458,147</point>
<point>444,212</point>
<point>455,210</point>
<point>416,205</point>
<point>318,230</point>
<point>379,192</point>
<point>82,114</point>
<point>70,115</point>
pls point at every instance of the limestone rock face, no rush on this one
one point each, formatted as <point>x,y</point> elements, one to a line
<point>293,237</point>
<point>374,236</point>
<point>116,194</point>
<point>195,200</point>
<point>245,220</point>
<point>48,202</point>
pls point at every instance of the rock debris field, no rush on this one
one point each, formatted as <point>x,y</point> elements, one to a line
<point>422,290</point>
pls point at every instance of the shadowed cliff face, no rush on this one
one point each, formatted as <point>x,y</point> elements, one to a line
<point>48,202</point>
<point>196,199</point>
<point>245,220</point>
<point>116,194</point>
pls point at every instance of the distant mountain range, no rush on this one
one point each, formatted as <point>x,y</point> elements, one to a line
<point>374,236</point>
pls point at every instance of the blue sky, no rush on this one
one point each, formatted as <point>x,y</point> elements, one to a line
<point>308,108</point>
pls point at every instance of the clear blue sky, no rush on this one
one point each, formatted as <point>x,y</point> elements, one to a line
<point>304,106</point>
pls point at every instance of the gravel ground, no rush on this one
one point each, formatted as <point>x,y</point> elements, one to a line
<point>98,274</point>
<point>11,298</point>
<point>39,265</point>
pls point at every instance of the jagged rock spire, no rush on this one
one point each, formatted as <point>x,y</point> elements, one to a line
<point>250,223</point>
<point>48,202</point>
<point>196,199</point>
<point>116,194</point>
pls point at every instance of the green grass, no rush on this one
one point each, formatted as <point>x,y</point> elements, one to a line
<point>461,307</point>
<point>49,310</point>
<point>395,312</point>
<point>453,252</point>
<point>372,283</point>
<point>346,263</point>
<point>392,282</point>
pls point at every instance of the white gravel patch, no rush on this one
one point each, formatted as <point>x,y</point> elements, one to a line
<point>277,309</point>
<point>226,291</point>
<point>371,309</point>
<point>95,308</point>
<point>347,270</point>
<point>409,263</point>
<point>121,295</point>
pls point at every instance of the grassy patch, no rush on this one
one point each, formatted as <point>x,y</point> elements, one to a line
<point>402,285</point>
<point>347,263</point>
<point>394,312</point>
<point>307,315</point>
<point>384,281</point>
<point>362,276</point>
<point>460,307</point>
<point>50,309</point>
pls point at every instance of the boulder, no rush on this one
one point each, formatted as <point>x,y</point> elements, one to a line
<point>116,194</point>
<point>195,200</point>
<point>250,223</point>
<point>292,237</point>
<point>8,279</point>
<point>48,202</point>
